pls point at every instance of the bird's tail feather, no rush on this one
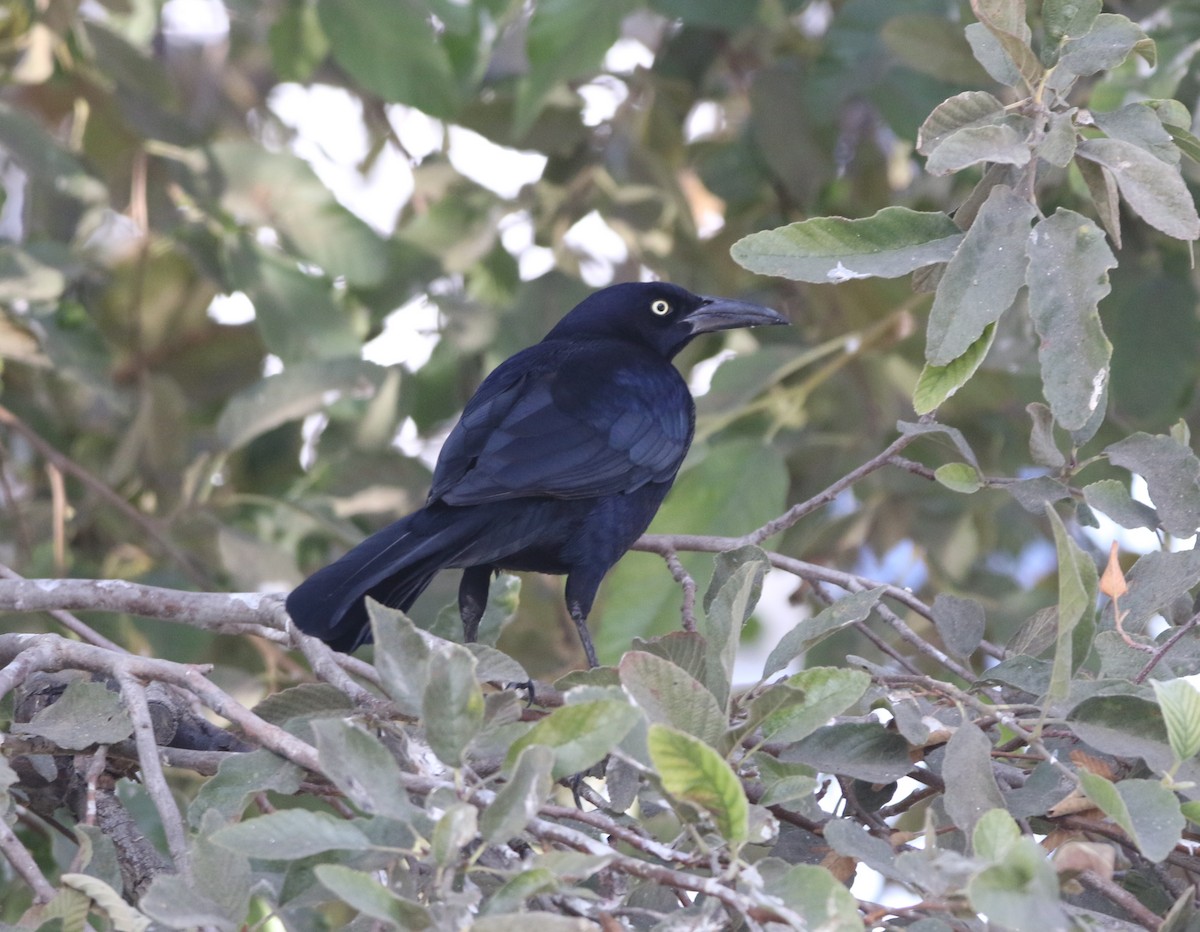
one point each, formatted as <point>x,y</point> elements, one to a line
<point>393,566</point>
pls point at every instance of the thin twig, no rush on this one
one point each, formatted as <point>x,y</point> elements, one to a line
<point>24,864</point>
<point>687,608</point>
<point>1170,642</point>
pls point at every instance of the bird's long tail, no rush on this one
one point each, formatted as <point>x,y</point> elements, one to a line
<point>393,566</point>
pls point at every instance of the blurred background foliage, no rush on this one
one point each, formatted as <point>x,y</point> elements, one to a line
<point>220,218</point>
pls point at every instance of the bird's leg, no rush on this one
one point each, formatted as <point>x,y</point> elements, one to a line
<point>579,616</point>
<point>581,592</point>
<point>472,599</point>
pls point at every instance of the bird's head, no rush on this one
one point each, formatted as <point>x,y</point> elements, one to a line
<point>659,314</point>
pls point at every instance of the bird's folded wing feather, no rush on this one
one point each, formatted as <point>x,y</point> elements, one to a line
<point>572,425</point>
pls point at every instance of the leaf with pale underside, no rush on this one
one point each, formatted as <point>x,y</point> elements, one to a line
<point>968,109</point>
<point>890,243</point>
<point>1153,189</point>
<point>998,144</point>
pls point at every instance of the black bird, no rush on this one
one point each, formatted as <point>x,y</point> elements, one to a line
<point>558,464</point>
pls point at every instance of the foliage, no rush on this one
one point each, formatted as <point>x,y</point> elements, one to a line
<point>1003,728</point>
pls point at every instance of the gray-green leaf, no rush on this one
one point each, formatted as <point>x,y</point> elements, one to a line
<point>983,278</point>
<point>1152,188</point>
<point>892,242</point>
<point>1067,276</point>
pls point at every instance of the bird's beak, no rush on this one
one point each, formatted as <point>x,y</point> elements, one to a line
<point>727,314</point>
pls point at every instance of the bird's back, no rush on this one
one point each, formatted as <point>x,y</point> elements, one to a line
<point>568,419</point>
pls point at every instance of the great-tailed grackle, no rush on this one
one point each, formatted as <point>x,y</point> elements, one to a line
<point>558,464</point>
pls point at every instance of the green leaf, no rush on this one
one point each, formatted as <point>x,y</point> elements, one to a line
<point>86,714</point>
<point>362,768</point>
<point>994,834</point>
<point>389,47</point>
<point>1005,22</point>
<point>401,657</point>
<point>306,701</point>
<point>520,798</point>
<point>1172,474</point>
<point>1113,499</point>
<point>999,143</point>
<point>728,604</point>
<point>989,52</point>
<point>1180,703</point>
<point>693,772</point>
<point>953,434</point>
<point>38,153</point>
<point>24,278</point>
<point>863,750</point>
<point>826,691</point>
<point>1058,144</point>
<point>1140,124</point>
<point>566,39</point>
<point>1192,811</point>
<point>1102,187</point>
<point>1127,726</point>
<point>214,893</point>
<point>277,287</point>
<point>1154,190</point>
<point>291,834</point>
<point>297,42</point>
<point>960,623</point>
<point>937,383</point>
<point>783,782</point>
<point>452,708</point>
<point>818,898</point>
<point>888,244</point>
<point>851,839</point>
<point>302,389</point>
<point>1020,893</point>
<point>1042,446</point>
<point>1078,583</point>
<point>1104,46</point>
<point>1067,277</point>
<point>845,611</point>
<point>669,695</point>
<point>280,191</point>
<point>1188,144</point>
<point>454,831</point>
<point>363,891</point>
<point>1062,19</point>
<point>932,45</point>
<point>971,788</point>
<point>239,777</point>
<point>1035,494</point>
<point>959,477</point>
<point>1145,809</point>
<point>580,734</point>
<point>976,288</point>
<point>969,109</point>
<point>513,894</point>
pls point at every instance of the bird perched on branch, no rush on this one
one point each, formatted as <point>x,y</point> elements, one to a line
<point>558,464</point>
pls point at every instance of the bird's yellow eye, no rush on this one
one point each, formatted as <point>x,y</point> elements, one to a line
<point>661,307</point>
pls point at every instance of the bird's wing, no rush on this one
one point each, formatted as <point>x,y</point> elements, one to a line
<point>571,421</point>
